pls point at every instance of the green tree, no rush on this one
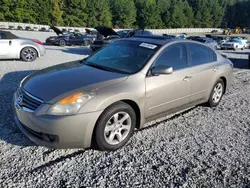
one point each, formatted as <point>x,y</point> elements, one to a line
<point>98,13</point>
<point>123,13</point>
<point>164,11</point>
<point>74,13</point>
<point>148,14</point>
<point>42,11</point>
<point>56,12</point>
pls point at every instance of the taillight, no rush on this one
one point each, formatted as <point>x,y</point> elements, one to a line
<point>38,42</point>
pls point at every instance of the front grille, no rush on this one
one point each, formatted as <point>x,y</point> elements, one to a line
<point>27,100</point>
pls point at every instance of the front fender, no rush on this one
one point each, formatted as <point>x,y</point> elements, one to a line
<point>128,90</point>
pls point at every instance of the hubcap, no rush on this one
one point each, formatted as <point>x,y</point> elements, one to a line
<point>117,128</point>
<point>217,93</point>
<point>29,53</point>
<point>62,43</point>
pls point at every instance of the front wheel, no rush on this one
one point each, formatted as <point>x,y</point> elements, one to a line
<point>28,54</point>
<point>114,127</point>
<point>217,93</point>
<point>62,43</point>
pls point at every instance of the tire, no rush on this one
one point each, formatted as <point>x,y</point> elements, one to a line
<point>28,54</point>
<point>108,131</point>
<point>213,99</point>
<point>62,43</point>
<point>86,43</point>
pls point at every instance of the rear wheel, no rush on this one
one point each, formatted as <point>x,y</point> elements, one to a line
<point>217,93</point>
<point>28,54</point>
<point>114,127</point>
<point>62,43</point>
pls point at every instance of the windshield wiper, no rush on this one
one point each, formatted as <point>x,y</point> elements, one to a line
<point>98,66</point>
<point>105,68</point>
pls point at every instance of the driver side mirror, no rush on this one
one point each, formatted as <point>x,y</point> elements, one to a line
<point>161,69</point>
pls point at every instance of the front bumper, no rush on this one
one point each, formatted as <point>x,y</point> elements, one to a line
<point>56,131</point>
<point>42,51</point>
<point>49,41</point>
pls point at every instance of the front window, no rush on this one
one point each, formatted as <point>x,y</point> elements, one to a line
<point>126,57</point>
<point>174,56</point>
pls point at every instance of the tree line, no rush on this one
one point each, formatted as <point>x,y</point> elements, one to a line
<point>153,14</point>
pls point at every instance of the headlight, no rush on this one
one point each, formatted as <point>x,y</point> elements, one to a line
<point>70,105</point>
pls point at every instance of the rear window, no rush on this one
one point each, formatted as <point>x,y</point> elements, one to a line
<point>200,54</point>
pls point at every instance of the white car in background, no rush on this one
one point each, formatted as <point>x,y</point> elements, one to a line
<point>233,44</point>
<point>35,29</point>
<point>14,47</point>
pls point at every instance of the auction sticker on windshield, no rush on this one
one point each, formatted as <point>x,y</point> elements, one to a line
<point>147,45</point>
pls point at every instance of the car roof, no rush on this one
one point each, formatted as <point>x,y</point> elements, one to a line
<point>154,39</point>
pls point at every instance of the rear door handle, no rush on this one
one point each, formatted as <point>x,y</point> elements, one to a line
<point>215,69</point>
<point>187,78</point>
<point>10,42</point>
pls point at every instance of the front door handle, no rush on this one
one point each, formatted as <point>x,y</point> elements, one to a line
<point>10,42</point>
<point>187,78</point>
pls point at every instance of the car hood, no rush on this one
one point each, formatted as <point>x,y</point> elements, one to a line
<point>106,31</point>
<point>56,30</point>
<point>55,82</point>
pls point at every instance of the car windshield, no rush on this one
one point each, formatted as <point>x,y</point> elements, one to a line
<point>123,33</point>
<point>126,57</point>
<point>233,40</point>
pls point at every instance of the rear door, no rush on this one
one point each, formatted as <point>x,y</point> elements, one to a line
<point>204,69</point>
<point>5,45</point>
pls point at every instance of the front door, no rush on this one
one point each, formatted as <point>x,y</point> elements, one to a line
<point>166,92</point>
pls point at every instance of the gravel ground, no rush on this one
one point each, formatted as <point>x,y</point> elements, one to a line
<point>201,147</point>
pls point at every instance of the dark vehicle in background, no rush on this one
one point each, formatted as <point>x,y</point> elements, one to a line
<point>11,27</point>
<point>19,27</point>
<point>64,30</point>
<point>107,35</point>
<point>64,39</point>
<point>179,36</point>
<point>43,29</point>
<point>169,36</point>
<point>208,42</point>
<point>28,28</point>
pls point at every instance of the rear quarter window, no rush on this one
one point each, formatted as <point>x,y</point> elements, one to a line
<point>200,54</point>
<point>2,36</point>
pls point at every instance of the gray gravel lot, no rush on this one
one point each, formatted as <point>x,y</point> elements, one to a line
<point>201,147</point>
